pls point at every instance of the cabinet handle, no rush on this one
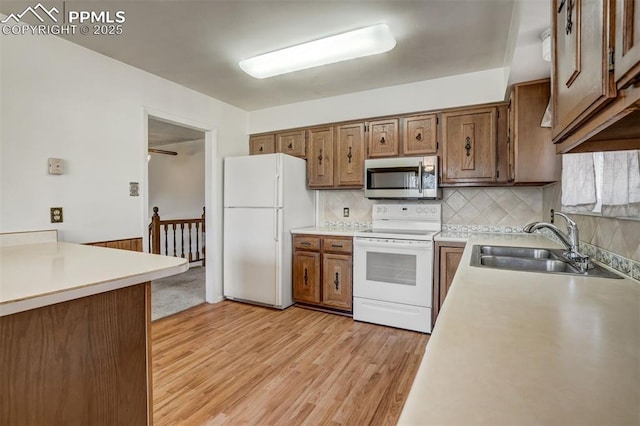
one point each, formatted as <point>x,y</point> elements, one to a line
<point>305,243</point>
<point>419,137</point>
<point>468,146</point>
<point>261,149</point>
<point>336,245</point>
<point>336,282</point>
<point>383,141</point>
<point>320,158</point>
<point>290,146</point>
<point>306,277</point>
<point>349,155</point>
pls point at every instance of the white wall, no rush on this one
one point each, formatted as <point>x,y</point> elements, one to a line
<point>176,182</point>
<point>61,100</point>
<point>459,90</point>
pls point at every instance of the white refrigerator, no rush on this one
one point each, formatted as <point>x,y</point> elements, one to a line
<point>265,196</point>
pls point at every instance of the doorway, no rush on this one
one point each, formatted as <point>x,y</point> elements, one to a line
<point>177,196</point>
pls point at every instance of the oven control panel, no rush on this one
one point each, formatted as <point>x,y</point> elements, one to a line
<point>422,212</point>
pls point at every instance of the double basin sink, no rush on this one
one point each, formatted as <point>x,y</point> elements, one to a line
<point>530,259</point>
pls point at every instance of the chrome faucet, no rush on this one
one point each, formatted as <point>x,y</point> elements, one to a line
<point>570,240</point>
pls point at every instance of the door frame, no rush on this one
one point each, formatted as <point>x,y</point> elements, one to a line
<point>212,294</point>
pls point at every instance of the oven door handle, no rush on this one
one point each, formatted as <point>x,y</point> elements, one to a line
<point>420,167</point>
<point>358,243</point>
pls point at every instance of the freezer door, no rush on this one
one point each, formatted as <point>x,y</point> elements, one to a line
<point>252,255</point>
<point>253,181</point>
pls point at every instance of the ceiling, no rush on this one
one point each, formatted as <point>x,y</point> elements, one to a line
<point>198,43</point>
<point>163,133</point>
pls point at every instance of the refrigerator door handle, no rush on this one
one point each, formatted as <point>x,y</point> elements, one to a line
<point>276,226</point>
<point>276,192</point>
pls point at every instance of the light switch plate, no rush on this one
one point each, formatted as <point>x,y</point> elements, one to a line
<point>56,166</point>
<point>56,214</point>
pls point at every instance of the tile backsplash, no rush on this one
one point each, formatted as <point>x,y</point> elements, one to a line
<point>505,207</point>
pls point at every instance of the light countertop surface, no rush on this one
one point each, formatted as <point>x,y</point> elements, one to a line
<point>328,230</point>
<point>520,348</point>
<point>35,275</point>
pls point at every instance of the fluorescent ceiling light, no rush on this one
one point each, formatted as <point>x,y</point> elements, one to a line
<point>354,44</point>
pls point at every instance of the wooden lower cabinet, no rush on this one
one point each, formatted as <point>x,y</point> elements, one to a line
<point>323,272</point>
<point>446,261</point>
<point>306,276</point>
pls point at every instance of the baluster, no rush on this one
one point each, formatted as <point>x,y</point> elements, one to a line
<point>166,240</point>
<point>175,254</point>
<point>197,240</point>
<point>182,240</point>
<point>190,255</point>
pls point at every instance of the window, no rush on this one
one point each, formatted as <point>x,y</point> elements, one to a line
<point>602,183</point>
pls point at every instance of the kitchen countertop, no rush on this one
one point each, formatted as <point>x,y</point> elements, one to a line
<point>328,230</point>
<point>41,274</point>
<point>530,348</point>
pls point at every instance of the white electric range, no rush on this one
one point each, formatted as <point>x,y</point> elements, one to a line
<point>393,266</point>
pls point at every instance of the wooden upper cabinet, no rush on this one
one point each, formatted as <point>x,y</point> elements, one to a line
<point>383,138</point>
<point>469,145</point>
<point>292,143</point>
<point>350,155</point>
<point>419,135</point>
<point>627,45</point>
<point>532,155</point>
<point>262,144</point>
<point>582,83</point>
<point>320,158</point>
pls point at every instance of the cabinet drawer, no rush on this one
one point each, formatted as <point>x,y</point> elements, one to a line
<point>338,245</point>
<point>306,243</point>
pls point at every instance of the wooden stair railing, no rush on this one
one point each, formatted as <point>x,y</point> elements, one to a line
<point>159,232</point>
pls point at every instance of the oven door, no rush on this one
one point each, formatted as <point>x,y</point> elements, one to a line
<point>401,178</point>
<point>389,270</point>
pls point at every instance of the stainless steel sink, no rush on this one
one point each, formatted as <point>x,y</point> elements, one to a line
<point>526,252</point>
<point>528,259</point>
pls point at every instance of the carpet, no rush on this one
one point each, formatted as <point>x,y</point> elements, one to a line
<point>176,293</point>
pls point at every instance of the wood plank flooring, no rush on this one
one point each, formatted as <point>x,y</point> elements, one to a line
<point>232,363</point>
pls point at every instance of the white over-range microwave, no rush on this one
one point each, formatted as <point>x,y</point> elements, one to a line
<point>402,178</point>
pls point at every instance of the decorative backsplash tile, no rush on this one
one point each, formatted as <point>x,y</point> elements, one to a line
<point>623,265</point>
<point>506,207</point>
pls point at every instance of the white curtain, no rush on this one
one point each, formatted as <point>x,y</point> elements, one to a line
<point>621,184</point>
<point>578,183</point>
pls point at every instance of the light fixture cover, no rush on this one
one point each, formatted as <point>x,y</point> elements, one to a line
<point>350,45</point>
<point>546,45</point>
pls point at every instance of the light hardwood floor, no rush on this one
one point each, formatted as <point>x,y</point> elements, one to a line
<point>232,363</point>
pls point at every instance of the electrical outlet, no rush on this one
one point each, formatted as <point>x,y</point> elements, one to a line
<point>56,214</point>
<point>345,212</point>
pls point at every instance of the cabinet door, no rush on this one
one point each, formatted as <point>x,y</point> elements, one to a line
<point>532,156</point>
<point>320,158</point>
<point>262,144</point>
<point>419,135</point>
<point>383,138</point>
<point>337,281</point>
<point>580,73</point>
<point>306,276</point>
<point>447,259</point>
<point>350,155</point>
<point>627,50</point>
<point>469,146</point>
<point>292,143</point>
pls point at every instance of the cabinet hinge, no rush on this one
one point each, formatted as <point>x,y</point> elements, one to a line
<point>498,111</point>
<point>611,58</point>
<point>498,173</point>
<point>437,145</point>
<point>437,120</point>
